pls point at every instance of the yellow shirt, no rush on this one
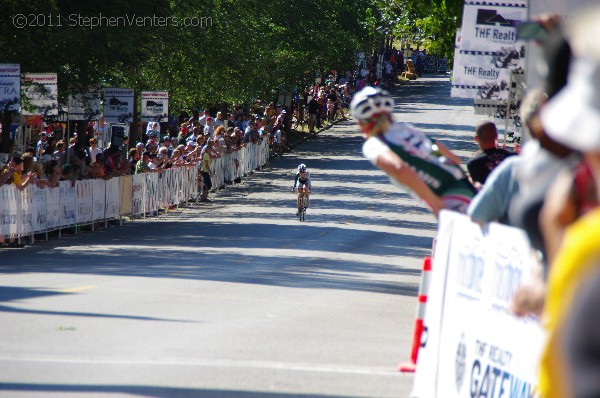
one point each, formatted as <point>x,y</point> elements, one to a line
<point>17,178</point>
<point>574,263</point>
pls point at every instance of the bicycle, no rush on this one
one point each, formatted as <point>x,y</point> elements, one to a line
<point>303,206</point>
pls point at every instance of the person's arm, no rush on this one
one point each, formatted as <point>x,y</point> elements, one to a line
<point>558,211</point>
<point>6,175</point>
<point>389,162</point>
<point>491,202</point>
<point>448,153</point>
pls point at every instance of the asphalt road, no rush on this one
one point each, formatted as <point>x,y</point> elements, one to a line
<point>236,298</point>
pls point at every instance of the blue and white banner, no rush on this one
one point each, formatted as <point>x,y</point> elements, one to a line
<point>84,191</point>
<point>474,346</point>
<point>118,105</point>
<point>489,49</point>
<point>68,204</point>
<point>155,106</point>
<point>10,86</point>
<point>98,199</point>
<point>113,188</point>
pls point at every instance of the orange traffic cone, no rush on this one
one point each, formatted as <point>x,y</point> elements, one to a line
<point>419,325</point>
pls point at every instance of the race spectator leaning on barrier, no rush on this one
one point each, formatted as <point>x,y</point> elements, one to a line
<point>93,150</point>
<point>41,145</point>
<point>7,172</point>
<point>492,202</point>
<point>206,169</point>
<point>409,157</point>
<point>491,156</point>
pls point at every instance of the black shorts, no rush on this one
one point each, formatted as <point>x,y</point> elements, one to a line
<point>206,179</point>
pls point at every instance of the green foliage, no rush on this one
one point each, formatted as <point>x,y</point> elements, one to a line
<point>238,51</point>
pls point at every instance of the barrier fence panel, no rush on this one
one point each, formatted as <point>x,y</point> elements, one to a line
<point>98,199</point>
<point>26,212</point>
<point>36,210</point>
<point>67,201</point>
<point>479,347</point>
<point>112,198</point>
<point>138,189</point>
<point>84,200</point>
<point>53,209</point>
<point>40,208</point>
<point>125,194</point>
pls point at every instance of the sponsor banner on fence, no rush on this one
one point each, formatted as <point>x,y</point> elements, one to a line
<point>479,347</point>
<point>155,106</point>
<point>68,204</point>
<point>126,185</point>
<point>85,106</point>
<point>84,192</point>
<point>118,105</point>
<point>489,49</point>
<point>137,197</point>
<point>41,91</point>
<point>112,198</point>
<point>98,199</point>
<point>39,207</point>
<point>53,209</point>
<point>10,86</point>
<point>26,208</point>
<point>9,210</point>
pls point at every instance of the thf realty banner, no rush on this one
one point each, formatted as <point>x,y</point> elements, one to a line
<point>155,106</point>
<point>118,105</point>
<point>489,49</point>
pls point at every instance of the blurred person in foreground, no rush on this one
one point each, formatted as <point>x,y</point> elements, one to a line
<point>408,156</point>
<point>570,364</point>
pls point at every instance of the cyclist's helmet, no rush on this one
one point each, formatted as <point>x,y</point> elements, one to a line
<point>371,101</point>
<point>302,168</point>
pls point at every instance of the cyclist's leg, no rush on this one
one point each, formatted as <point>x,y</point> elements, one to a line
<point>299,198</point>
<point>307,195</point>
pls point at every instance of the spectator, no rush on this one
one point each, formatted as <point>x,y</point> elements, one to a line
<point>219,121</point>
<point>167,145</point>
<point>210,125</point>
<point>59,154</point>
<point>181,137</point>
<point>93,150</point>
<point>19,179</point>
<point>41,145</point>
<point>142,164</point>
<point>482,165</point>
<point>313,107</point>
<point>7,173</point>
<point>502,185</point>
<point>206,170</point>
<point>202,116</point>
<point>125,149</point>
<point>96,169</point>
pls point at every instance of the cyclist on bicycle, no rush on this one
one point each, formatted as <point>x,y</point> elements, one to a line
<point>302,184</point>
<point>408,156</point>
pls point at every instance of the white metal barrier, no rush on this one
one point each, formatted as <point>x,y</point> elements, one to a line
<point>38,210</point>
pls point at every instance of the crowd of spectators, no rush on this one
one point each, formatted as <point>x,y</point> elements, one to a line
<point>551,191</point>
